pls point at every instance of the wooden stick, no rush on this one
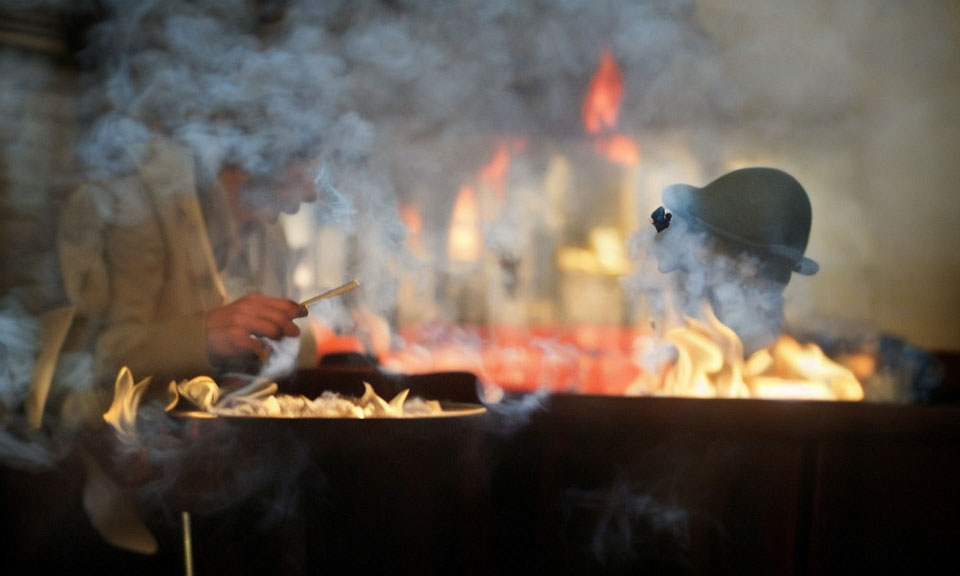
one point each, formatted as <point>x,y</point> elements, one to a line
<point>331,293</point>
<point>187,544</point>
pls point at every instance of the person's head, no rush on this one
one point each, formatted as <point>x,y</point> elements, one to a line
<point>268,179</point>
<point>735,243</point>
<point>263,197</point>
<point>754,214</point>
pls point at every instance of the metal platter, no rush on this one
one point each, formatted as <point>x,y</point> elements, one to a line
<point>448,410</point>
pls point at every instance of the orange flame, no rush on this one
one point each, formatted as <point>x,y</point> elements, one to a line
<point>602,102</point>
<point>601,106</point>
<point>495,171</point>
<point>710,363</point>
<point>463,243</point>
<point>411,218</point>
<point>618,149</point>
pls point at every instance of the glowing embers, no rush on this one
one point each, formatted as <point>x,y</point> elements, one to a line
<point>710,363</point>
<point>261,400</point>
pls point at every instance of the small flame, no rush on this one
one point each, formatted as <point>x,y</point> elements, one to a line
<point>122,414</point>
<point>601,107</point>
<point>618,149</point>
<point>710,363</point>
<point>411,218</point>
<point>463,243</point>
<point>495,171</point>
<point>493,174</point>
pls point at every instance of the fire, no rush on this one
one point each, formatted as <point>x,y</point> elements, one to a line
<point>261,399</point>
<point>585,359</point>
<point>464,239</point>
<point>464,242</point>
<point>202,397</point>
<point>601,107</point>
<point>411,218</point>
<point>802,371</point>
<point>710,363</point>
<point>494,172</point>
<point>496,169</point>
<point>617,148</point>
<point>122,413</point>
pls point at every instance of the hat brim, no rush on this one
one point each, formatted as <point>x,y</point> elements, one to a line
<point>806,266</point>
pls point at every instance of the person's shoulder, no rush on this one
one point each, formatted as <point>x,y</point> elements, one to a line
<point>168,167</point>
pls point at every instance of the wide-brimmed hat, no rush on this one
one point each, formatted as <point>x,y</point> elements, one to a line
<point>763,209</point>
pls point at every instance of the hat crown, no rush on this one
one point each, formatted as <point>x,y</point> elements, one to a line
<point>764,209</point>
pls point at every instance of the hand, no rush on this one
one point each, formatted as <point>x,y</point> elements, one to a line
<point>234,330</point>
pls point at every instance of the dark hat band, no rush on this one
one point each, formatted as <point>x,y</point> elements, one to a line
<point>794,258</point>
<point>761,209</point>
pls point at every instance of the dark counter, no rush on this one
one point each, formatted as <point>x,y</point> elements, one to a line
<point>562,484</point>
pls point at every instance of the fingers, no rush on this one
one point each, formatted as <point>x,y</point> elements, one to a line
<point>258,305</point>
<point>264,316</point>
<point>273,327</point>
<point>232,330</point>
<point>246,343</point>
<point>231,345</point>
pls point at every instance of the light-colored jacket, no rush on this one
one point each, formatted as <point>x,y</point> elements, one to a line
<point>137,261</point>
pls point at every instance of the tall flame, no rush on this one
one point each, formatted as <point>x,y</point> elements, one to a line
<point>601,106</point>
<point>122,413</point>
<point>709,360</point>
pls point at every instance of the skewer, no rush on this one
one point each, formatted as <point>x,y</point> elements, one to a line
<point>331,293</point>
<point>187,544</point>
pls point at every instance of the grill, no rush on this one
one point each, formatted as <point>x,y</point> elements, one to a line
<point>577,484</point>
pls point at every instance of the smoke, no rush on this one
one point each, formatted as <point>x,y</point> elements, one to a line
<point>22,443</point>
<point>19,339</point>
<point>171,463</point>
<point>508,415</point>
<point>282,361</point>
<point>694,270</point>
<point>634,527</point>
<point>402,101</point>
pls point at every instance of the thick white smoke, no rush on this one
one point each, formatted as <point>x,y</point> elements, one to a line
<point>404,100</point>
